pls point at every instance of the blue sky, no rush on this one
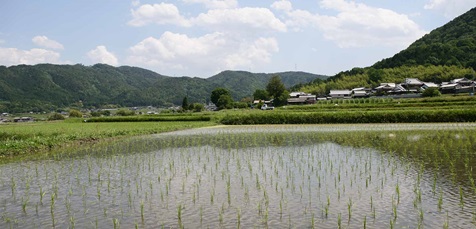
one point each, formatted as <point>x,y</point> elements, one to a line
<point>200,38</point>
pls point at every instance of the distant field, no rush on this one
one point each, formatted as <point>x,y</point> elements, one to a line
<point>381,110</point>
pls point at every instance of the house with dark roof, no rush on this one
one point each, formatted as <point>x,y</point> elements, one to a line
<point>296,98</point>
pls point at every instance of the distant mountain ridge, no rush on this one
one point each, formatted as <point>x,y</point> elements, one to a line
<point>47,86</point>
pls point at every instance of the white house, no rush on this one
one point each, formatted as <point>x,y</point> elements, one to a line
<point>385,87</point>
<point>340,94</point>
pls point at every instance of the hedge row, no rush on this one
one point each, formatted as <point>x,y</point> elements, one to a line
<point>150,119</point>
<point>351,117</point>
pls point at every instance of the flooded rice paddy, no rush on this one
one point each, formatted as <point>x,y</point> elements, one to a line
<point>316,176</point>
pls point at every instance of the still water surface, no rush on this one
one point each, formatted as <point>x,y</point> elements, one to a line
<point>230,177</point>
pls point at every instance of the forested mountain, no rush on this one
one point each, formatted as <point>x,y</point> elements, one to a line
<point>45,87</point>
<point>446,53</point>
<point>245,83</point>
<point>452,44</point>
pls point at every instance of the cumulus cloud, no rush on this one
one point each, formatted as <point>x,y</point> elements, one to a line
<point>260,50</point>
<point>45,42</point>
<point>284,5</point>
<point>450,8</point>
<point>355,24</point>
<point>240,19</point>
<point>101,55</point>
<point>215,4</point>
<point>359,24</point>
<point>13,56</point>
<point>209,53</point>
<point>163,13</point>
<point>221,17</point>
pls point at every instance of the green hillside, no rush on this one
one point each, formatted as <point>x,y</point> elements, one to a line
<point>452,44</point>
<point>446,53</point>
<point>46,87</point>
<point>245,83</point>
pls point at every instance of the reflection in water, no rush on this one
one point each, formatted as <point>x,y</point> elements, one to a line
<point>266,176</point>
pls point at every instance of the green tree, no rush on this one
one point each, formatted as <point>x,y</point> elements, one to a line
<point>375,75</point>
<point>261,94</point>
<point>225,102</point>
<point>282,99</point>
<point>217,93</point>
<point>185,104</point>
<point>277,91</point>
<point>275,87</point>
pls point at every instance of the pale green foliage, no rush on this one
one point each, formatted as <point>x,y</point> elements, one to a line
<point>75,113</point>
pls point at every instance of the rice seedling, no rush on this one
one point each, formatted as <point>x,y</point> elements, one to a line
<point>115,223</point>
<point>440,201</point>
<point>339,221</point>
<point>142,210</point>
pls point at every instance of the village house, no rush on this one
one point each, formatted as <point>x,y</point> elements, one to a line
<point>361,92</point>
<point>301,98</point>
<point>385,87</point>
<point>412,84</point>
<point>340,94</point>
<point>461,85</point>
<point>427,85</point>
<point>399,89</point>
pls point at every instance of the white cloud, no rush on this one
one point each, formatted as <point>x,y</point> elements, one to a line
<point>45,42</point>
<point>209,53</point>
<point>218,18</point>
<point>162,13</point>
<point>358,25</point>
<point>284,5</point>
<point>135,3</point>
<point>215,4</point>
<point>260,50</point>
<point>450,8</point>
<point>240,19</point>
<point>101,55</point>
<point>13,56</point>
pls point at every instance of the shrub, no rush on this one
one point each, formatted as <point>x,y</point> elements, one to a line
<point>106,113</point>
<point>55,116</point>
<point>197,107</point>
<point>95,114</point>
<point>431,92</point>
<point>240,105</point>
<point>124,112</point>
<point>75,113</point>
